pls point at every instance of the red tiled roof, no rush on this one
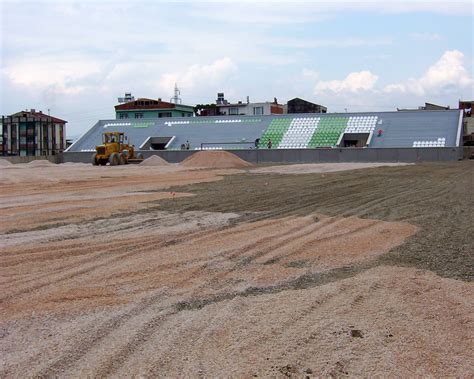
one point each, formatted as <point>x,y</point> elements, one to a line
<point>39,115</point>
<point>141,104</point>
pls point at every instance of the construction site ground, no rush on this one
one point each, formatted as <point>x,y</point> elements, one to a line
<point>180,272</point>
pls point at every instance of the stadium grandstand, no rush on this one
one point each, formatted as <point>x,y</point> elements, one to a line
<point>413,129</point>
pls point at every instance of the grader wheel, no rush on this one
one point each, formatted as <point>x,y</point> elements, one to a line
<point>122,159</point>
<point>114,159</point>
<point>94,160</point>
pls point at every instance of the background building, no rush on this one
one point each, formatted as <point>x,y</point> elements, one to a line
<point>298,105</point>
<point>151,108</point>
<point>31,133</point>
<point>426,107</point>
<point>223,108</point>
<point>468,121</point>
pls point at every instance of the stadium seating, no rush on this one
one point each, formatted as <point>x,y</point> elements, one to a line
<point>142,124</point>
<point>275,132</point>
<point>169,123</point>
<point>361,124</point>
<point>218,121</point>
<point>299,133</point>
<point>328,132</point>
<point>440,142</point>
<point>304,132</point>
<point>114,124</point>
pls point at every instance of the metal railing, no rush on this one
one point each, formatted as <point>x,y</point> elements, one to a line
<point>223,144</point>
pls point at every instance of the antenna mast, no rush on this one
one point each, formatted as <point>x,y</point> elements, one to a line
<point>176,99</point>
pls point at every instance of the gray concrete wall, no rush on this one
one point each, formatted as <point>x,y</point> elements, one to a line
<point>468,151</point>
<point>309,155</point>
<point>18,159</point>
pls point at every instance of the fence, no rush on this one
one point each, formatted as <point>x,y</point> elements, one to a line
<point>412,155</point>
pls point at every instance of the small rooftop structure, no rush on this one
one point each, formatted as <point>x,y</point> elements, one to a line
<point>426,107</point>
<point>222,107</point>
<point>127,98</point>
<point>152,108</point>
<point>298,105</point>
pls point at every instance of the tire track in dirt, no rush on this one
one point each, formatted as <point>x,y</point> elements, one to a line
<point>391,202</point>
<point>218,256</point>
<point>100,333</point>
<point>115,249</point>
<point>113,362</point>
<point>318,239</point>
<point>144,332</point>
<point>105,249</point>
<point>123,351</point>
<point>291,323</point>
<point>110,253</point>
<point>377,193</point>
<point>147,328</point>
<point>244,255</point>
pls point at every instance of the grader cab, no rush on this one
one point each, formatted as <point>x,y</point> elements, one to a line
<point>115,150</point>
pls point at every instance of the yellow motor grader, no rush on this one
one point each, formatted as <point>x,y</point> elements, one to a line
<point>115,151</point>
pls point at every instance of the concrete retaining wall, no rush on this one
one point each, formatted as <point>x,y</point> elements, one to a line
<point>17,159</point>
<point>309,155</point>
<point>468,152</point>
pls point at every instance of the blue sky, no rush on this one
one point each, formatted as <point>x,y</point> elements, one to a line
<point>76,58</point>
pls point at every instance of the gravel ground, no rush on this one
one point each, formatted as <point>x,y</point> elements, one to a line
<point>318,168</point>
<point>355,273</point>
<point>437,197</point>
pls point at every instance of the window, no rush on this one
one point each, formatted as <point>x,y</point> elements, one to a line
<point>233,111</point>
<point>182,114</point>
<point>258,111</point>
<point>164,114</point>
<point>138,115</point>
<point>123,115</point>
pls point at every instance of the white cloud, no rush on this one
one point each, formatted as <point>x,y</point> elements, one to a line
<point>334,42</point>
<point>377,57</point>
<point>310,74</point>
<point>425,37</point>
<point>281,12</point>
<point>255,13</point>
<point>91,52</point>
<point>354,82</point>
<point>200,76</point>
<point>63,74</point>
<point>414,6</point>
<point>448,75</point>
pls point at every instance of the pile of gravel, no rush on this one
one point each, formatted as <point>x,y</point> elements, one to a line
<point>215,159</point>
<point>154,160</point>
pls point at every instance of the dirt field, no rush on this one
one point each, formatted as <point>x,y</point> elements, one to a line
<point>177,272</point>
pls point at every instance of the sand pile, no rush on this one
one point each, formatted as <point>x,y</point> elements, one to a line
<point>4,162</point>
<point>215,159</point>
<point>154,160</point>
<point>41,163</point>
